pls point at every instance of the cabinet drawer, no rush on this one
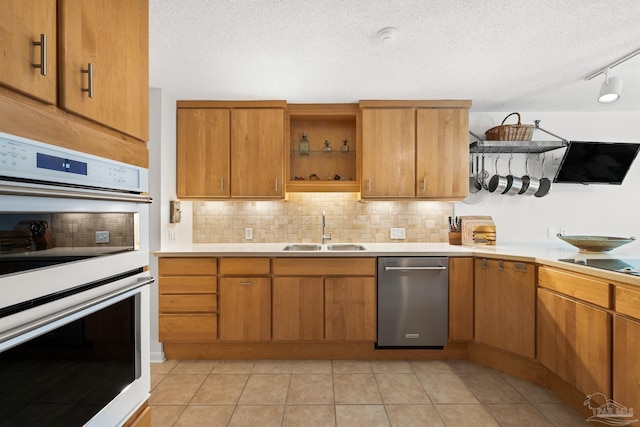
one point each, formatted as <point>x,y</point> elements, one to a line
<point>245,266</point>
<point>576,285</point>
<point>188,303</point>
<point>628,301</point>
<point>187,266</point>
<point>188,327</point>
<point>324,266</point>
<point>188,284</point>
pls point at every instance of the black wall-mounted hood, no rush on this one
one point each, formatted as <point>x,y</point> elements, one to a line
<point>589,162</point>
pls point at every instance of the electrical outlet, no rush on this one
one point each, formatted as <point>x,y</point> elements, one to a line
<point>102,237</point>
<point>173,236</point>
<point>248,233</point>
<point>551,233</point>
<point>397,233</point>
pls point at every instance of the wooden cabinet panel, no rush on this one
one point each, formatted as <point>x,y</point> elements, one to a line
<point>203,153</point>
<point>388,152</point>
<point>113,37</point>
<point>257,162</point>
<point>324,267</point>
<point>505,301</point>
<point>187,266</point>
<point>442,153</point>
<point>628,301</point>
<point>574,342</point>
<point>188,284</point>
<point>626,362</point>
<point>188,327</point>
<point>460,299</point>
<point>21,23</point>
<point>245,308</point>
<point>187,303</point>
<point>350,308</point>
<point>245,266</point>
<point>298,308</point>
<point>580,286</point>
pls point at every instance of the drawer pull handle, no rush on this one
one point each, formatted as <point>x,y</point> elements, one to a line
<point>244,283</point>
<point>521,266</point>
<point>414,268</point>
<point>43,54</point>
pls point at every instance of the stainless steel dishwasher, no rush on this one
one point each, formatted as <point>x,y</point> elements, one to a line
<point>413,301</point>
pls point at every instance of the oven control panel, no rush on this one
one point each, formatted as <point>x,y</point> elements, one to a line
<point>21,158</point>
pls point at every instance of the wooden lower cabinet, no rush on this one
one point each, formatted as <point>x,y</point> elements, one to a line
<point>505,301</point>
<point>188,299</point>
<point>574,342</point>
<point>298,308</point>
<point>245,308</point>
<point>460,299</point>
<point>350,308</point>
<point>626,361</point>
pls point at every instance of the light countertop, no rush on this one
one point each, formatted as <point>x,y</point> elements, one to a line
<point>540,253</point>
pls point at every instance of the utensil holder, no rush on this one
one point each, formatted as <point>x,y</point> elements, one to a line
<point>455,238</point>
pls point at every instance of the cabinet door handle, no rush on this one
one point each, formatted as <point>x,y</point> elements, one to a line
<point>244,283</point>
<point>424,184</point>
<point>501,265</point>
<point>369,184</point>
<point>89,73</point>
<point>276,184</point>
<point>43,54</point>
<point>221,183</point>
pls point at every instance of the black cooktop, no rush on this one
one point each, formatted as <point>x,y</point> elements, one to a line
<point>628,266</point>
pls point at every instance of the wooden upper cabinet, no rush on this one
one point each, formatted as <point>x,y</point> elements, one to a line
<point>203,153</point>
<point>257,144</point>
<point>113,37</point>
<point>22,23</point>
<point>388,152</point>
<point>442,152</point>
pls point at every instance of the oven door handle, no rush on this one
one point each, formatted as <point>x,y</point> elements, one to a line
<point>48,191</point>
<point>47,320</point>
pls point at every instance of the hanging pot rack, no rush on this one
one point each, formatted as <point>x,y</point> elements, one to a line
<point>488,147</point>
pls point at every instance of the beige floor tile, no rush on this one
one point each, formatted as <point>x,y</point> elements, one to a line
<point>361,416</point>
<point>309,416</point>
<point>401,388</point>
<point>532,392</point>
<point>491,388</point>
<point>516,415</point>
<point>472,415</point>
<point>163,368</point>
<point>193,367</point>
<point>311,367</point>
<point>391,366</point>
<point>177,389</point>
<point>563,415</point>
<point>253,416</point>
<point>156,379</point>
<point>165,415</point>
<point>430,366</point>
<point>446,388</point>
<point>310,388</point>
<point>351,367</point>
<point>210,416</point>
<point>356,389</point>
<point>266,389</point>
<point>233,367</point>
<point>466,366</point>
<point>413,416</point>
<point>221,389</point>
<point>273,367</point>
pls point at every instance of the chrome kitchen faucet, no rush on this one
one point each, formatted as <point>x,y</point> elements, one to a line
<point>324,223</point>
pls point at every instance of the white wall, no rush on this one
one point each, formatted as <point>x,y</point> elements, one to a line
<point>579,209</point>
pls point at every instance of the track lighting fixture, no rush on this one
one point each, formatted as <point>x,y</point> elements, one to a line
<point>611,89</point>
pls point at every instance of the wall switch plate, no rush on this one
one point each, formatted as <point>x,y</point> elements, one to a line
<point>102,237</point>
<point>173,236</point>
<point>248,233</point>
<point>397,233</point>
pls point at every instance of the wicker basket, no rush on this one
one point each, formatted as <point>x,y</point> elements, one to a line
<point>517,132</point>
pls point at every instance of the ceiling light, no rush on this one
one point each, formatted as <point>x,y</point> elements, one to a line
<point>611,89</point>
<point>387,35</point>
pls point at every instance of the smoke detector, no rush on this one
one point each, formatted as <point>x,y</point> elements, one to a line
<point>388,34</point>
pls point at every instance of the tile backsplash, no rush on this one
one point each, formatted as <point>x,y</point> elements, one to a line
<point>299,219</point>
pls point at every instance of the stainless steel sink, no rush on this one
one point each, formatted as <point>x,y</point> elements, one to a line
<point>346,247</point>
<point>302,247</point>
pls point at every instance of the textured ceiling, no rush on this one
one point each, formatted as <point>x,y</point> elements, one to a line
<point>504,55</point>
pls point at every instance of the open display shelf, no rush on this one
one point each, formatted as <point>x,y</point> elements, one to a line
<point>515,147</point>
